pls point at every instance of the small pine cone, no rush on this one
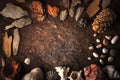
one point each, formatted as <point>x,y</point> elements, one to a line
<point>103,20</point>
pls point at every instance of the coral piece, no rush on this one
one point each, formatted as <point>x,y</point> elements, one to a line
<point>35,74</point>
<point>93,72</point>
<point>62,72</point>
<point>13,11</point>
<point>51,75</point>
<point>7,44</point>
<point>16,41</point>
<point>37,10</point>
<point>93,8</point>
<point>103,20</point>
<point>75,75</point>
<point>53,11</point>
<point>10,72</point>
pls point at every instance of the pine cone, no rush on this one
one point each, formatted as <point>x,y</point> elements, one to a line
<point>103,20</point>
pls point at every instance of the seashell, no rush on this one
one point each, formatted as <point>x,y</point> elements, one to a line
<point>114,39</point>
<point>75,2</point>
<point>95,35</point>
<point>113,52</point>
<point>78,13</point>
<point>20,23</point>
<point>13,11</point>
<point>98,40</point>
<point>110,59</point>
<point>10,70</point>
<point>27,61</point>
<point>101,61</point>
<point>108,37</point>
<point>95,55</point>
<point>105,42</point>
<point>91,47</point>
<point>62,72</point>
<point>99,46</point>
<point>72,11</point>
<point>16,41</point>
<point>7,45</point>
<point>53,11</point>
<point>82,22</point>
<point>111,72</point>
<point>89,58</point>
<point>35,74</point>
<point>51,75</point>
<point>75,75</point>
<point>104,50</point>
<point>93,8</point>
<point>102,56</point>
<point>105,3</point>
<point>20,1</point>
<point>65,3</point>
<point>63,15</point>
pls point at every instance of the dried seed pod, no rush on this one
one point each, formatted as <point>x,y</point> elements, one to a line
<point>53,11</point>
<point>103,20</point>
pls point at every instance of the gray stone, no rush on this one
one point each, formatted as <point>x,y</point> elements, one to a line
<point>20,23</point>
<point>13,11</point>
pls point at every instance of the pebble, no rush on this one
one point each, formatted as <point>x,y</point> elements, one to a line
<point>95,35</point>
<point>99,46</point>
<point>95,55</point>
<point>108,37</point>
<point>27,61</point>
<point>114,39</point>
<point>89,58</point>
<point>98,40</point>
<point>113,52</point>
<point>101,61</point>
<point>102,56</point>
<point>105,42</point>
<point>104,50</point>
<point>110,59</point>
<point>91,47</point>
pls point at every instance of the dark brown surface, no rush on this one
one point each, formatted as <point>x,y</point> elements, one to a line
<point>53,43</point>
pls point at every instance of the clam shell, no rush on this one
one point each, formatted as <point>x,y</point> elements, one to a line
<point>95,55</point>
<point>51,75</point>
<point>104,50</point>
<point>27,61</point>
<point>114,39</point>
<point>63,15</point>
<point>105,3</point>
<point>78,13</point>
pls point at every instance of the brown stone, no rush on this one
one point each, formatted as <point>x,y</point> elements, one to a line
<point>53,11</point>
<point>105,42</point>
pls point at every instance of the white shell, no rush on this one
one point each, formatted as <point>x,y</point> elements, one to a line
<point>101,61</point>
<point>78,13</point>
<point>99,46</point>
<point>90,47</point>
<point>104,50</point>
<point>110,59</point>
<point>114,39</point>
<point>95,35</point>
<point>89,58</point>
<point>95,55</point>
<point>108,37</point>
<point>27,61</point>
<point>98,40</point>
<point>16,41</point>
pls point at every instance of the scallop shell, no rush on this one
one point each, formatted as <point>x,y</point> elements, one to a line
<point>115,39</point>
<point>35,74</point>
<point>63,15</point>
<point>16,41</point>
<point>51,75</point>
